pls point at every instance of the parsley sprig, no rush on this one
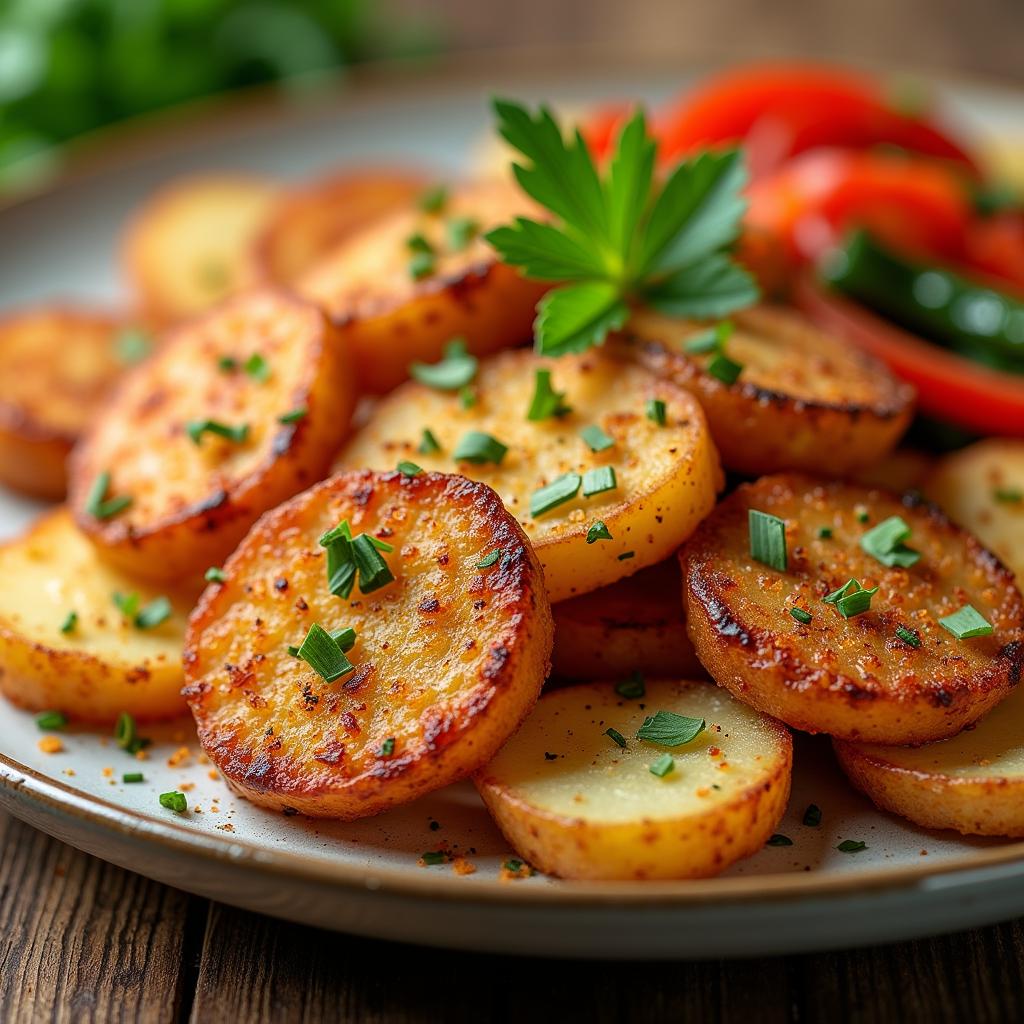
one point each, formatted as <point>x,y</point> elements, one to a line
<point>620,239</point>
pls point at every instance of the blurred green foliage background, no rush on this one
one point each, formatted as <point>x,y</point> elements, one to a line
<point>68,66</point>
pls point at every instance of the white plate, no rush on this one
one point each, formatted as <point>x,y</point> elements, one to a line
<point>364,877</point>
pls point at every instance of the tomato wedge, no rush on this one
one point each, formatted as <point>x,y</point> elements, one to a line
<point>948,386</point>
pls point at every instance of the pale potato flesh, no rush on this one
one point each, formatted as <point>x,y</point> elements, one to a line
<point>192,503</point>
<point>853,678</point>
<point>449,657</point>
<point>667,476</point>
<point>189,245</point>
<point>105,664</point>
<point>572,802</point>
<point>966,483</point>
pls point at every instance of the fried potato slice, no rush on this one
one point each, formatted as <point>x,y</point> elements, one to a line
<point>574,803</point>
<point>449,657</point>
<point>57,365</point>
<point>852,677</point>
<point>392,317</point>
<point>982,488</point>
<point>803,400</point>
<point>973,783</point>
<point>310,222</point>
<point>190,244</point>
<point>666,476</point>
<point>193,498</point>
<point>634,625</point>
<point>100,663</point>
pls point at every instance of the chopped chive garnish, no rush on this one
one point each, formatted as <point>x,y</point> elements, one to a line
<point>227,364</point>
<point>779,840</point>
<point>373,570</point>
<point>292,417</point>
<point>421,265</point>
<point>1008,495</point>
<point>669,729</point>
<point>966,623</point>
<point>214,574</point>
<point>598,531</point>
<point>433,857</point>
<point>489,559</point>
<point>812,816</point>
<point>258,368</point>
<point>800,615</point>
<point>132,345</point>
<point>129,777</point>
<point>323,654</point>
<point>98,505</point>
<point>632,688</point>
<point>455,370</point>
<point>546,401</point>
<point>126,604</point>
<point>428,443</point>
<point>387,748</point>
<point>711,340</point>
<point>197,428</point>
<point>665,764</point>
<point>417,243</point>
<point>462,231</point>
<point>911,637</point>
<point>851,599</point>
<point>597,481</point>
<point>824,532</point>
<point>616,737</point>
<point>153,614</point>
<point>174,801</point>
<point>125,734</point>
<point>851,846</point>
<point>70,622</point>
<point>724,369</point>
<point>657,411</point>
<point>434,199</point>
<point>51,721</point>
<point>409,468</point>
<point>862,514</point>
<point>556,493</point>
<point>626,555</point>
<point>884,542</point>
<point>479,448</point>
<point>467,397</point>
<point>847,588</point>
<point>596,439</point>
<point>767,539</point>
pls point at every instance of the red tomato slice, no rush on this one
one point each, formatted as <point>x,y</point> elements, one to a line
<point>995,247</point>
<point>948,386</point>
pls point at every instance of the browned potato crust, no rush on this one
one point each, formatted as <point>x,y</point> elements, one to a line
<point>311,221</point>
<point>853,678</point>
<point>190,244</point>
<point>192,503</point>
<point>56,366</point>
<point>634,625</point>
<point>448,658</point>
<point>390,319</point>
<point>804,401</point>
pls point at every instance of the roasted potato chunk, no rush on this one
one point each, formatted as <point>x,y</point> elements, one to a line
<point>634,625</point>
<point>803,400</point>
<point>575,803</point>
<point>56,367</point>
<point>982,489</point>
<point>238,410</point>
<point>448,657</point>
<point>310,222</point>
<point>973,783</point>
<point>65,644</point>
<point>406,286</point>
<point>190,244</point>
<point>892,674</point>
<point>665,476</point>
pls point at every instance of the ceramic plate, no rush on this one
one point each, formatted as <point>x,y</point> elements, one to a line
<point>365,877</point>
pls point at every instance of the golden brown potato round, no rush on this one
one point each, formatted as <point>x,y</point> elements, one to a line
<point>448,658</point>
<point>634,625</point>
<point>982,488</point>
<point>56,367</point>
<point>973,783</point>
<point>666,476</point>
<point>575,803</point>
<point>101,662</point>
<point>803,401</point>
<point>391,318</point>
<point>190,244</point>
<point>193,497</point>
<point>310,222</point>
<point>851,677</point>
